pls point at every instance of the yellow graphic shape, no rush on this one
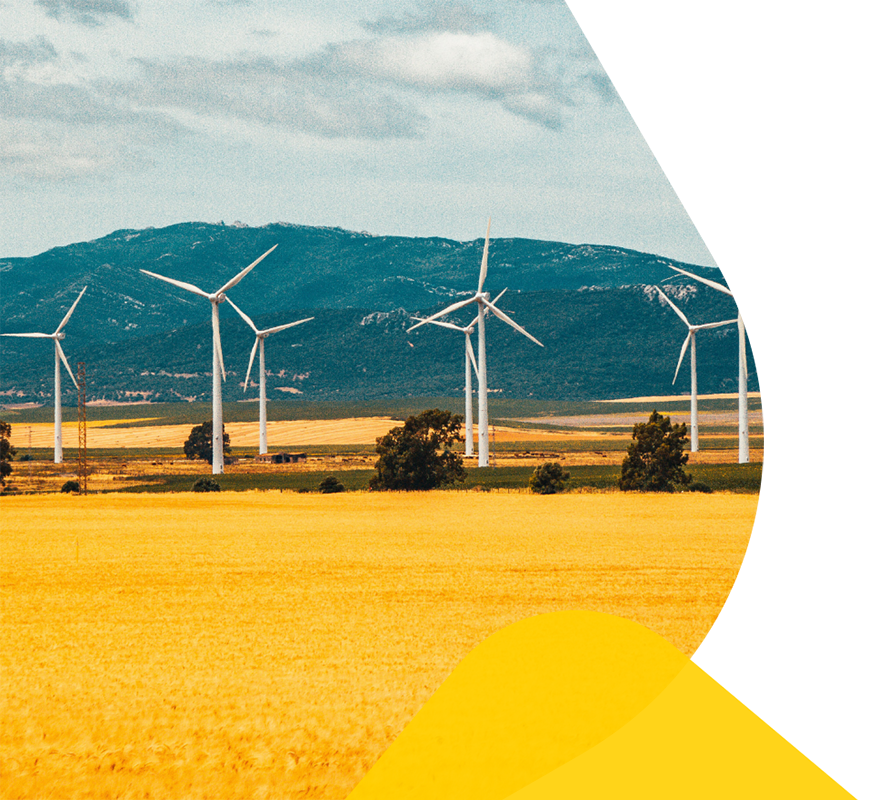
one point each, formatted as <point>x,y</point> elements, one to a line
<point>580,704</point>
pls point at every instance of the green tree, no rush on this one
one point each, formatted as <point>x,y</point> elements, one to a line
<point>7,451</point>
<point>655,459</point>
<point>548,478</point>
<point>418,455</point>
<point>200,442</point>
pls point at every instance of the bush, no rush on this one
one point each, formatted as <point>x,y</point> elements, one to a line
<point>548,478</point>
<point>205,485</point>
<point>25,457</point>
<point>655,460</point>
<point>698,486</point>
<point>70,487</point>
<point>330,485</point>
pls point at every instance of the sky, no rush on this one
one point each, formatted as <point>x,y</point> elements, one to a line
<point>396,118</point>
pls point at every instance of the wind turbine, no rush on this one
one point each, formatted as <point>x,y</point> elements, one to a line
<point>744,448</point>
<point>691,341</point>
<point>483,304</point>
<point>59,356</point>
<point>469,358</point>
<point>219,371</point>
<point>260,342</point>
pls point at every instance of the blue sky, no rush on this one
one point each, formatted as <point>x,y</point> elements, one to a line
<point>405,118</point>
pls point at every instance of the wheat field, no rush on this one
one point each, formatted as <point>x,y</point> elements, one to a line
<point>272,645</point>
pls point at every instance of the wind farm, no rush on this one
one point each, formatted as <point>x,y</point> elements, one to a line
<point>483,304</point>
<point>325,621</point>
<point>219,369</point>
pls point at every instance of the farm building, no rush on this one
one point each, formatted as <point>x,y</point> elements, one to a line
<point>280,458</point>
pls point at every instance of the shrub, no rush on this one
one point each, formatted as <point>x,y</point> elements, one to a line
<point>70,487</point>
<point>548,478</point>
<point>25,457</point>
<point>698,486</point>
<point>330,485</point>
<point>205,485</point>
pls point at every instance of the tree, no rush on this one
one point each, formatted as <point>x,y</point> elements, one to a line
<point>70,487</point>
<point>205,485</point>
<point>655,459</point>
<point>200,442</point>
<point>418,455</point>
<point>548,478</point>
<point>7,451</point>
<point>330,485</point>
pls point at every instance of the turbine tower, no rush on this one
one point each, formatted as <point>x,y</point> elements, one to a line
<point>691,341</point>
<point>744,447</point>
<point>260,342</point>
<point>59,357</point>
<point>483,304</point>
<point>219,371</point>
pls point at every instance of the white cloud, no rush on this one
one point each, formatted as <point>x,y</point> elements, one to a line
<point>466,62</point>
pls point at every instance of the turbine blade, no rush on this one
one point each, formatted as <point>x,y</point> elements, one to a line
<point>472,355</point>
<point>64,359</point>
<point>445,324</point>
<point>681,359</point>
<point>243,272</point>
<point>496,299</point>
<point>449,310</point>
<point>29,335</point>
<point>215,324</point>
<point>68,314</point>
<point>712,284</point>
<point>677,311</point>
<point>498,313</point>
<point>483,271</point>
<point>250,364</point>
<point>188,286</point>
<point>243,316</point>
<point>277,328</point>
<point>714,324</point>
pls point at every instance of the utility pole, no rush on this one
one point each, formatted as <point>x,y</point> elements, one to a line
<point>82,460</point>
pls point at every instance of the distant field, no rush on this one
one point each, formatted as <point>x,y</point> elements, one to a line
<point>273,644</point>
<point>194,413</point>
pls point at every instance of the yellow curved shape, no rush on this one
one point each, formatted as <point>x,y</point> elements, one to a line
<point>581,704</point>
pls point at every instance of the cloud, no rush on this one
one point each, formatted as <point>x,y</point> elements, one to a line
<point>442,61</point>
<point>22,54</point>
<point>435,16</point>
<point>273,93</point>
<point>91,13</point>
<point>53,126</point>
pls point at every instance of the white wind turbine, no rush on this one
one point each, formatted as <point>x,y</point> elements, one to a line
<point>469,358</point>
<point>260,342</point>
<point>691,341</point>
<point>219,371</point>
<point>59,356</point>
<point>483,304</point>
<point>744,448</point>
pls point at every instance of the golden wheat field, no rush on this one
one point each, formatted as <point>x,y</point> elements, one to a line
<point>272,645</point>
<point>290,433</point>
